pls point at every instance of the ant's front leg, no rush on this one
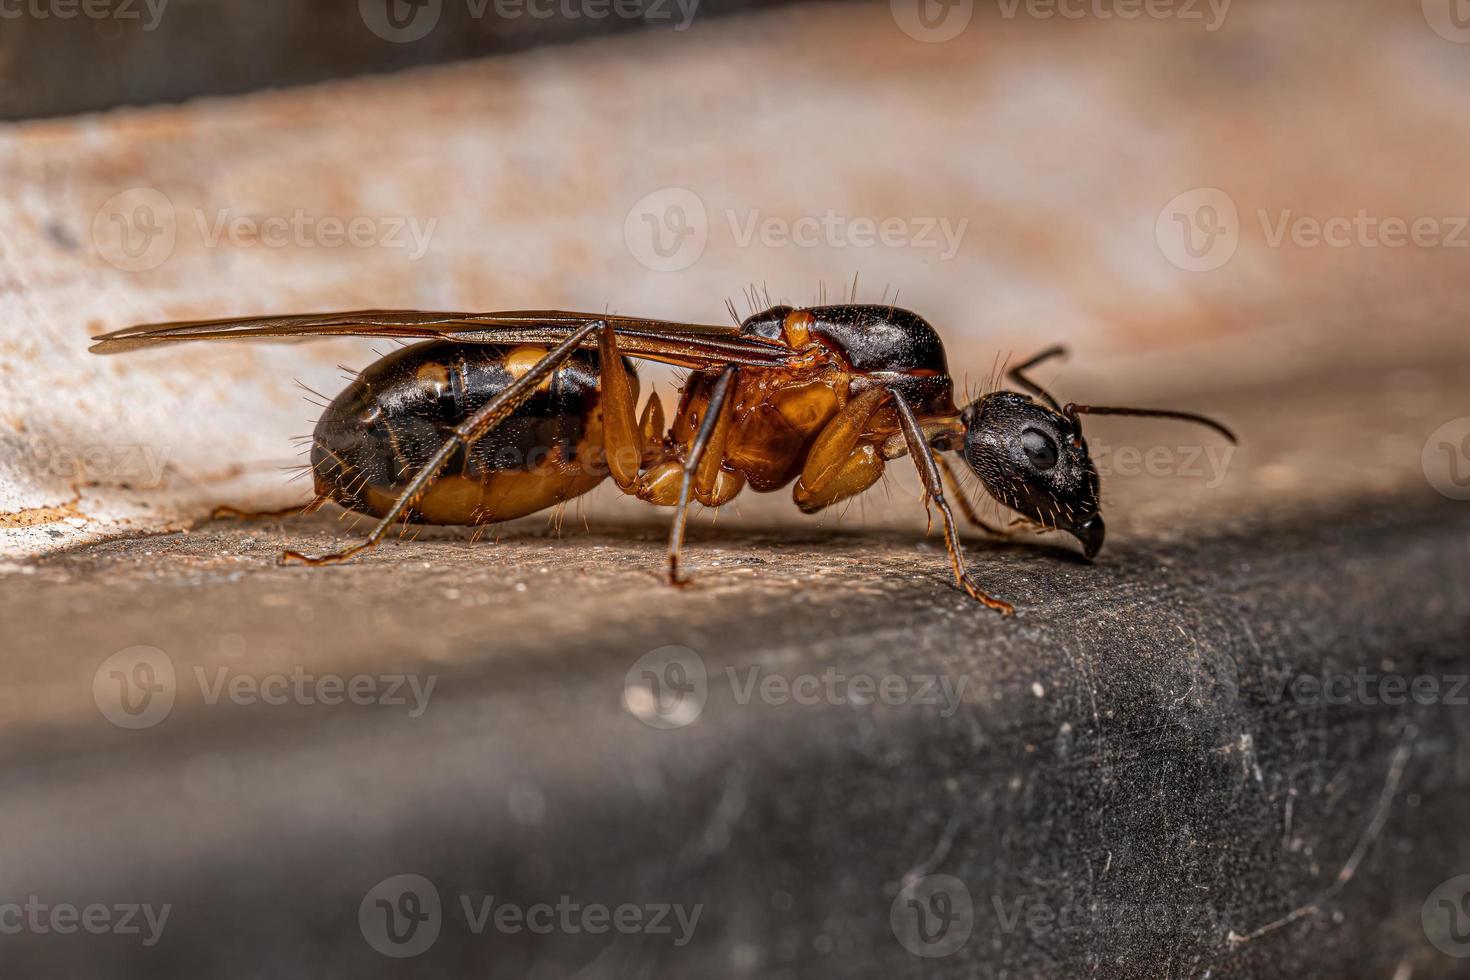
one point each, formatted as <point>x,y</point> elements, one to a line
<point>897,446</point>
<point>708,449</point>
<point>933,486</point>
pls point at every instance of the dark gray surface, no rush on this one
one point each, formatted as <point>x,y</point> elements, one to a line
<point>1121,742</point>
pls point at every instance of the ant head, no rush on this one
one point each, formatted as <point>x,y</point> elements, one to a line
<point>1034,460</point>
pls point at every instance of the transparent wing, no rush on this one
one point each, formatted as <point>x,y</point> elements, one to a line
<point>684,344</point>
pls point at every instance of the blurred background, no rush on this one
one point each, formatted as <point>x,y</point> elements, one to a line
<point>1254,209</point>
<point>1186,194</point>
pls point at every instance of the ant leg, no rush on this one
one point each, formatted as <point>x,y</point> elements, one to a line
<point>966,508</point>
<point>833,448</point>
<point>234,513</point>
<point>622,438</point>
<point>1018,376</point>
<point>712,411</point>
<point>929,474</point>
<point>466,434</point>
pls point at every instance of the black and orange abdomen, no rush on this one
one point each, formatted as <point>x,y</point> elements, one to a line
<point>379,432</point>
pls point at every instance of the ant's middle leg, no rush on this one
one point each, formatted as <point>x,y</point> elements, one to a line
<point>1018,376</point>
<point>708,450</point>
<point>963,501</point>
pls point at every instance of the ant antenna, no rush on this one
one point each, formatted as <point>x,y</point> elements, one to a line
<point>1072,410</point>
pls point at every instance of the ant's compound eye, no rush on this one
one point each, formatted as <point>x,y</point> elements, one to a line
<point>1039,448</point>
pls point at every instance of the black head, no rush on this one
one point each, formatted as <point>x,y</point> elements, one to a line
<point>1035,461</point>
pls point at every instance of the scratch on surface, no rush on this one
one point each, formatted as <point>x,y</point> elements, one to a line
<point>940,852</point>
<point>1370,834</point>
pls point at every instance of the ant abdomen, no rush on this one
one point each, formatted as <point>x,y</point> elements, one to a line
<point>402,409</point>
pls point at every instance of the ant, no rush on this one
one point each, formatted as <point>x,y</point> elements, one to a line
<point>500,415</point>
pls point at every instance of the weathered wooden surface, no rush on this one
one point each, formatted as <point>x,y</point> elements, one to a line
<point>1130,742</point>
<point>1124,749</point>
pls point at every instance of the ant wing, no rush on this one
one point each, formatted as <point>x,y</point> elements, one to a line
<point>681,344</point>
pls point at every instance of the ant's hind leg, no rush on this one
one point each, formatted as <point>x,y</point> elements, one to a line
<point>226,512</point>
<point>466,434</point>
<point>929,474</point>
